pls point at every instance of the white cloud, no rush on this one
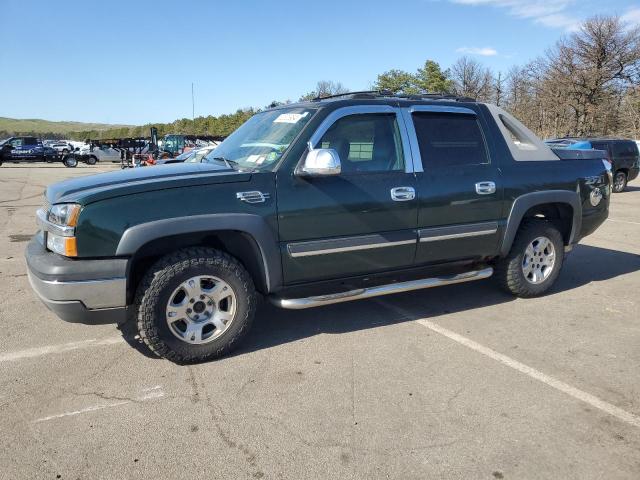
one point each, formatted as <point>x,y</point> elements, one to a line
<point>632,17</point>
<point>550,13</point>
<point>483,51</point>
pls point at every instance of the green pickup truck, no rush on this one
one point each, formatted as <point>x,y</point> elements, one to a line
<point>311,204</point>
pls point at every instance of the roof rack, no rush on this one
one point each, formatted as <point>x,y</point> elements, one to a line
<point>389,93</point>
<point>435,96</point>
<point>357,94</point>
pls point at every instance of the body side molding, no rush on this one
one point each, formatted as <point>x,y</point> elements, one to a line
<point>449,232</point>
<point>347,244</point>
<point>528,200</point>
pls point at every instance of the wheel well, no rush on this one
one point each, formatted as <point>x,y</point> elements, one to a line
<point>624,170</point>
<point>240,245</point>
<point>560,214</point>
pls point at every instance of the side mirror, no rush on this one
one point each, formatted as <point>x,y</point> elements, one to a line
<point>321,162</point>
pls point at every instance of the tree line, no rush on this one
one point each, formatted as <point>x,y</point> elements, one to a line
<point>588,83</point>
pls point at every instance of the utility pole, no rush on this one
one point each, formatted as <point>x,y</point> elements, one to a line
<point>193,104</point>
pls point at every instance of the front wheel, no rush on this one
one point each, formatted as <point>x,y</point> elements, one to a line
<point>535,260</point>
<point>195,305</point>
<point>91,160</point>
<point>619,181</point>
<point>70,161</point>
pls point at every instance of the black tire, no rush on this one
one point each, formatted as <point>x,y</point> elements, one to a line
<point>619,182</point>
<point>91,160</point>
<point>509,271</point>
<point>160,281</point>
<point>70,161</point>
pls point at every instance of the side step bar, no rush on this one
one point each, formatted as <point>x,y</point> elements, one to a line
<point>359,294</point>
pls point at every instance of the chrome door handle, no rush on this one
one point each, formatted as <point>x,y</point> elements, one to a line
<point>403,194</point>
<point>485,188</point>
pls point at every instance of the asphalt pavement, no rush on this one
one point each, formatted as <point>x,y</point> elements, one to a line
<point>459,382</point>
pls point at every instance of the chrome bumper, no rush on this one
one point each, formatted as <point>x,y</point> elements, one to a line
<point>93,294</point>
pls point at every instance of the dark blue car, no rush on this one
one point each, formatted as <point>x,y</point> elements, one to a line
<point>31,149</point>
<point>621,153</point>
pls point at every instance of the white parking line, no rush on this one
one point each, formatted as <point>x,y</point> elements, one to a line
<point>50,349</point>
<point>152,393</point>
<point>576,393</point>
<point>623,221</point>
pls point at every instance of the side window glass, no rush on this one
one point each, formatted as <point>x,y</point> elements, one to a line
<point>449,140</point>
<point>366,143</point>
<point>16,142</point>
<point>624,149</point>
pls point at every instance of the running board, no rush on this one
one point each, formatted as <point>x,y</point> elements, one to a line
<point>309,302</point>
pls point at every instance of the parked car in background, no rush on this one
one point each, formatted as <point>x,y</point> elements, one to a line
<point>192,156</point>
<point>30,149</point>
<point>622,153</point>
<point>312,204</point>
<point>62,147</point>
<point>103,153</point>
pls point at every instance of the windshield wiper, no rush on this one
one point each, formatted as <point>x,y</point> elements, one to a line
<point>226,161</point>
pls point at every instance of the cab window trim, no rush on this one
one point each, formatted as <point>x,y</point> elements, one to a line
<point>337,114</point>
<point>407,114</point>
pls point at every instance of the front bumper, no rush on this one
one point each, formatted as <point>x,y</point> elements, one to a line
<point>83,291</point>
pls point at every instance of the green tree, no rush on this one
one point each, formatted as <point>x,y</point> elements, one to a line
<point>397,81</point>
<point>432,79</point>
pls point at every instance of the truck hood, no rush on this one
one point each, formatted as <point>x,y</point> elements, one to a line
<point>93,188</point>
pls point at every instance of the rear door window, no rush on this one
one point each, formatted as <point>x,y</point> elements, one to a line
<point>449,140</point>
<point>625,149</point>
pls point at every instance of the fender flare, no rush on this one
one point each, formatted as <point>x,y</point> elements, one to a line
<point>255,226</point>
<point>528,200</point>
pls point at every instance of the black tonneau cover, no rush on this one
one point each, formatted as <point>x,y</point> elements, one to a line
<point>569,154</point>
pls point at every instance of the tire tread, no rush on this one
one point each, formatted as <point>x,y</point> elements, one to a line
<point>158,277</point>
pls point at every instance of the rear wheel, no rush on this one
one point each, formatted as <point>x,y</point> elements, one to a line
<point>91,160</point>
<point>195,305</point>
<point>619,181</point>
<point>535,260</point>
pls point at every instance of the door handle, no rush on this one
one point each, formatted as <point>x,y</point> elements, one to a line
<point>403,194</point>
<point>485,188</point>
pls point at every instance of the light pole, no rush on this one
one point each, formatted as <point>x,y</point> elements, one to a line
<point>193,104</point>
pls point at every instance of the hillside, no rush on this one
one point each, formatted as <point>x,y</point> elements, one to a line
<point>13,126</point>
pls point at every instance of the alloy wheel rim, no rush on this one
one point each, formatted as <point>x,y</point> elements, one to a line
<point>619,181</point>
<point>201,309</point>
<point>539,260</point>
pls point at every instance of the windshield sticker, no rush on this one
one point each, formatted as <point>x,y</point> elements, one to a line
<point>290,117</point>
<point>253,158</point>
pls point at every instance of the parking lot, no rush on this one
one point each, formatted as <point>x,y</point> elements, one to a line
<point>458,382</point>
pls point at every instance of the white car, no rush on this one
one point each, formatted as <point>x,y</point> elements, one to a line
<point>61,146</point>
<point>104,153</point>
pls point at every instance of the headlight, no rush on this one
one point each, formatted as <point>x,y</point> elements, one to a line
<point>59,223</point>
<point>65,215</point>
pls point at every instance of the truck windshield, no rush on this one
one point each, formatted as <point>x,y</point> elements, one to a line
<point>261,140</point>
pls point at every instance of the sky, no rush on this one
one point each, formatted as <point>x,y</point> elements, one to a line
<point>133,62</point>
